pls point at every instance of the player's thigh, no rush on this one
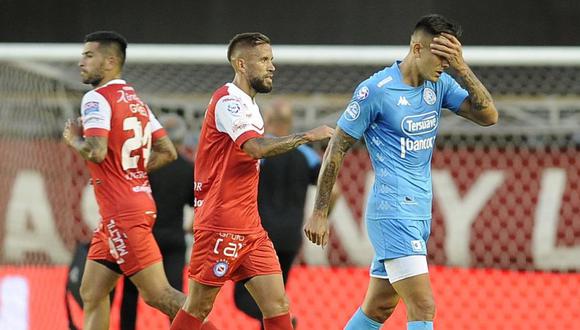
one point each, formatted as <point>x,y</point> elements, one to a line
<point>410,277</point>
<point>416,291</point>
<point>380,299</point>
<point>396,238</point>
<point>151,281</point>
<point>97,282</point>
<point>268,292</point>
<point>139,245</point>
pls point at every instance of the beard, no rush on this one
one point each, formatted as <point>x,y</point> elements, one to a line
<point>93,80</point>
<point>260,86</point>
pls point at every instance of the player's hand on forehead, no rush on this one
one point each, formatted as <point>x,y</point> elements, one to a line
<point>448,46</point>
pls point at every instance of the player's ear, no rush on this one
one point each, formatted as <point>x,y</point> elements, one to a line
<point>416,49</point>
<point>111,62</point>
<point>240,64</point>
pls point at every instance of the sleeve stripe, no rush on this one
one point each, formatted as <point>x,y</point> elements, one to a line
<point>246,136</point>
<point>159,134</point>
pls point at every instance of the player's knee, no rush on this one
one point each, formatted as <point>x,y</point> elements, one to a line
<point>422,308</point>
<point>201,308</point>
<point>277,306</point>
<point>381,313</point>
<point>90,295</point>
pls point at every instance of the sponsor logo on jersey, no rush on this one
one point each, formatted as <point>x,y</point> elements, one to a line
<point>429,96</point>
<point>140,108</point>
<point>362,93</point>
<point>232,236</point>
<point>127,96</point>
<point>197,202</point>
<point>408,144</point>
<point>419,124</point>
<point>117,246</point>
<point>409,200</point>
<point>90,107</point>
<point>352,111</point>
<point>220,268</point>
<point>403,101</point>
<point>139,175</point>
<point>143,188</point>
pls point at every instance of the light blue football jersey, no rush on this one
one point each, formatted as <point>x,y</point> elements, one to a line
<point>399,124</point>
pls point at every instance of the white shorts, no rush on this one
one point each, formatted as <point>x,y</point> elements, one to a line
<point>402,268</point>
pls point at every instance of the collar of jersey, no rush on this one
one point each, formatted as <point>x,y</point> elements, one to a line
<point>115,81</point>
<point>239,92</point>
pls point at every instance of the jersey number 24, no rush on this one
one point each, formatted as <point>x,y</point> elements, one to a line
<point>141,140</point>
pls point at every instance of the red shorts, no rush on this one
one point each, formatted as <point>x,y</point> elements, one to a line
<point>127,241</point>
<point>219,256</point>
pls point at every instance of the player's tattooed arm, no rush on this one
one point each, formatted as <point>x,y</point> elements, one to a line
<point>262,147</point>
<point>162,153</point>
<point>92,148</point>
<point>339,145</point>
<point>317,229</point>
<point>479,106</point>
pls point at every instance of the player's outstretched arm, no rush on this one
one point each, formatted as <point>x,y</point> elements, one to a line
<point>479,106</point>
<point>92,148</point>
<point>264,147</point>
<point>316,228</point>
<point>162,153</point>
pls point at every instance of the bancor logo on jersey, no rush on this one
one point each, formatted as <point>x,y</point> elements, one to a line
<point>414,125</point>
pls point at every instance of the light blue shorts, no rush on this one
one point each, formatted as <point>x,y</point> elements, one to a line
<point>393,239</point>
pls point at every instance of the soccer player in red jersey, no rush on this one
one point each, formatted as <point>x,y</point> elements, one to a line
<point>230,243</point>
<point>121,140</point>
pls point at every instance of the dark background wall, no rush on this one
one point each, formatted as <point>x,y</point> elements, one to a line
<point>491,22</point>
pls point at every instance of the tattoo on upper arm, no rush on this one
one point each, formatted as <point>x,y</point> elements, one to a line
<point>331,164</point>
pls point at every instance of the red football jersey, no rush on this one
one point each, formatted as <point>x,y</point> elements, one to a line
<point>226,178</point>
<point>120,182</point>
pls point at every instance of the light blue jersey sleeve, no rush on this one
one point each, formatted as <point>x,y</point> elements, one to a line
<point>361,112</point>
<point>454,94</point>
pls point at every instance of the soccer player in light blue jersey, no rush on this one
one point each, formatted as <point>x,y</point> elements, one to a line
<point>397,112</point>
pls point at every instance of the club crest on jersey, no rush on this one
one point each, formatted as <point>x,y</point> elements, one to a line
<point>352,111</point>
<point>221,268</point>
<point>90,107</point>
<point>429,96</point>
<point>362,93</point>
<point>419,124</point>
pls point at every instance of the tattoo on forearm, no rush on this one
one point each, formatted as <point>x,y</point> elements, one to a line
<point>479,95</point>
<point>339,145</point>
<point>279,145</point>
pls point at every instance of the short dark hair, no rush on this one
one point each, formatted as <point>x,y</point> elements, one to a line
<point>108,38</point>
<point>246,39</point>
<point>435,24</point>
